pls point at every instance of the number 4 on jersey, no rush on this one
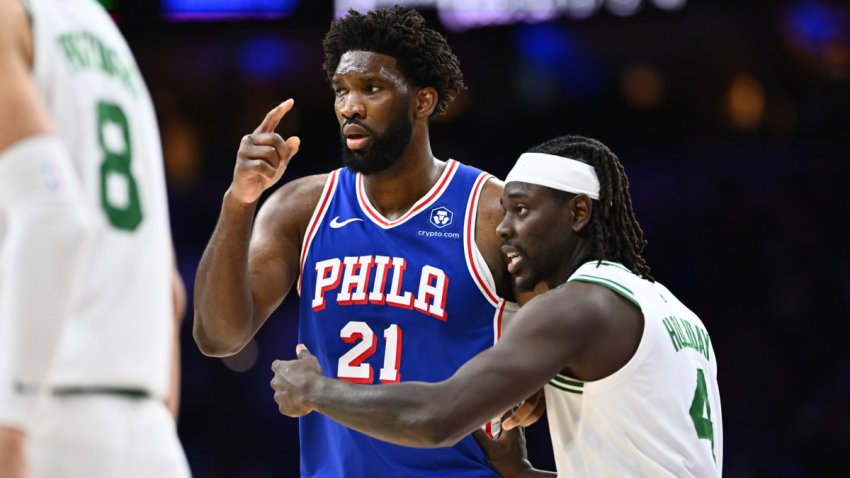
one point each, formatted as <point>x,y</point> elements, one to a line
<point>701,411</point>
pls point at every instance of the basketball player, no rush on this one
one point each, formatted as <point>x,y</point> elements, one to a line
<point>629,372</point>
<point>88,288</point>
<point>394,256</point>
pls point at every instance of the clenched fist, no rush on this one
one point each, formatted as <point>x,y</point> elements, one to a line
<point>292,381</point>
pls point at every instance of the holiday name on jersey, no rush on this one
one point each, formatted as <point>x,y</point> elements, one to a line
<point>379,280</point>
<point>686,335</point>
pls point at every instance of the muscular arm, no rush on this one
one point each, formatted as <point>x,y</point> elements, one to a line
<point>248,268</point>
<point>490,213</point>
<point>543,338</point>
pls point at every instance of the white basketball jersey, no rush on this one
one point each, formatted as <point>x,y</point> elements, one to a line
<point>121,328</point>
<point>659,415</point>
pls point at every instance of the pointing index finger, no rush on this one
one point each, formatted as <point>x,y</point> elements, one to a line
<point>274,116</point>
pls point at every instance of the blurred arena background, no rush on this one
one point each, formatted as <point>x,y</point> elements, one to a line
<point>732,119</point>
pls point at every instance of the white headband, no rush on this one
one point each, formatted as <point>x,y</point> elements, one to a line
<point>556,172</point>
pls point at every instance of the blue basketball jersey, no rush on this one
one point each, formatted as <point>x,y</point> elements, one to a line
<point>385,301</point>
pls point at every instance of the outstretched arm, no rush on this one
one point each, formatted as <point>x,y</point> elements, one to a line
<point>536,346</point>
<point>247,269</point>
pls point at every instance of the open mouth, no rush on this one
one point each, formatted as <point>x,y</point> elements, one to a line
<point>356,136</point>
<point>513,260</point>
<point>356,141</point>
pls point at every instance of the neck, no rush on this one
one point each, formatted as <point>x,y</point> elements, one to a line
<point>572,261</point>
<point>394,190</point>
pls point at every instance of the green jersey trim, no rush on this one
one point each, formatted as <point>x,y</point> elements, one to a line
<point>615,286</point>
<point>568,385</point>
<point>618,266</point>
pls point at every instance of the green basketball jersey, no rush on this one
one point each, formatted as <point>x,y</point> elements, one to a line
<point>119,332</point>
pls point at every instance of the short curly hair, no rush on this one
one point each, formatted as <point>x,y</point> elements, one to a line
<point>422,54</point>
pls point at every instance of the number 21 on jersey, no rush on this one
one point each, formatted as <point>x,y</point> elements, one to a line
<point>351,366</point>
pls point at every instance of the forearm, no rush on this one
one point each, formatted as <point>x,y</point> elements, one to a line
<point>409,414</point>
<point>417,414</point>
<point>224,307</point>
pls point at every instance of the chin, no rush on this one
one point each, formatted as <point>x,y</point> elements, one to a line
<point>523,285</point>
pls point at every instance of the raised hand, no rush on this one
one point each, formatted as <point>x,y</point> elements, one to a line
<point>262,157</point>
<point>292,381</point>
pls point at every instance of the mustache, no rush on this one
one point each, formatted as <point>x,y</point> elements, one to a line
<point>356,121</point>
<point>514,245</point>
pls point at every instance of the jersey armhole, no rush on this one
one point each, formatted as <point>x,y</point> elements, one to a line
<point>475,263</point>
<point>315,220</point>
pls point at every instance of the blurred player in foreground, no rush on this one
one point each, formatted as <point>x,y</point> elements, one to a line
<point>89,294</point>
<point>629,372</point>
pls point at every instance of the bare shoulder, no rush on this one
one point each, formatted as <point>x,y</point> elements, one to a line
<point>489,206</point>
<point>489,243</point>
<point>591,299</point>
<point>291,206</point>
<point>603,327</point>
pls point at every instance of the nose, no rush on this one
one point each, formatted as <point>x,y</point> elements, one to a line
<point>504,229</point>
<point>351,106</point>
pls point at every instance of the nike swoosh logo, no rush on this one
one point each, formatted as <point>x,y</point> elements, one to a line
<point>336,223</point>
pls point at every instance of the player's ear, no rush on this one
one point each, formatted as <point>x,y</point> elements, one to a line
<point>581,207</point>
<point>426,102</point>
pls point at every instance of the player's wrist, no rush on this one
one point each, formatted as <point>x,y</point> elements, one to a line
<point>234,198</point>
<point>313,392</point>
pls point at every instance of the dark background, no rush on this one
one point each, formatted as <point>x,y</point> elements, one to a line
<point>733,122</point>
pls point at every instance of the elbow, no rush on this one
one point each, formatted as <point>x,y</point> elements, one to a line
<point>215,345</point>
<point>438,431</point>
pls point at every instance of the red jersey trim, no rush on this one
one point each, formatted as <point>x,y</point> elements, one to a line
<point>470,248</point>
<point>421,204</point>
<point>497,321</point>
<point>313,225</point>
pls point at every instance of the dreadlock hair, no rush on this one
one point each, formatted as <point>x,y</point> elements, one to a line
<point>614,230</point>
<point>421,53</point>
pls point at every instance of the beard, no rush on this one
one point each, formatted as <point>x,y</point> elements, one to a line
<point>385,150</point>
<point>527,282</point>
<point>531,272</point>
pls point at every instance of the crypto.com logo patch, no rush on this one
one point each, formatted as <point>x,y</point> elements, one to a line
<point>441,216</point>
